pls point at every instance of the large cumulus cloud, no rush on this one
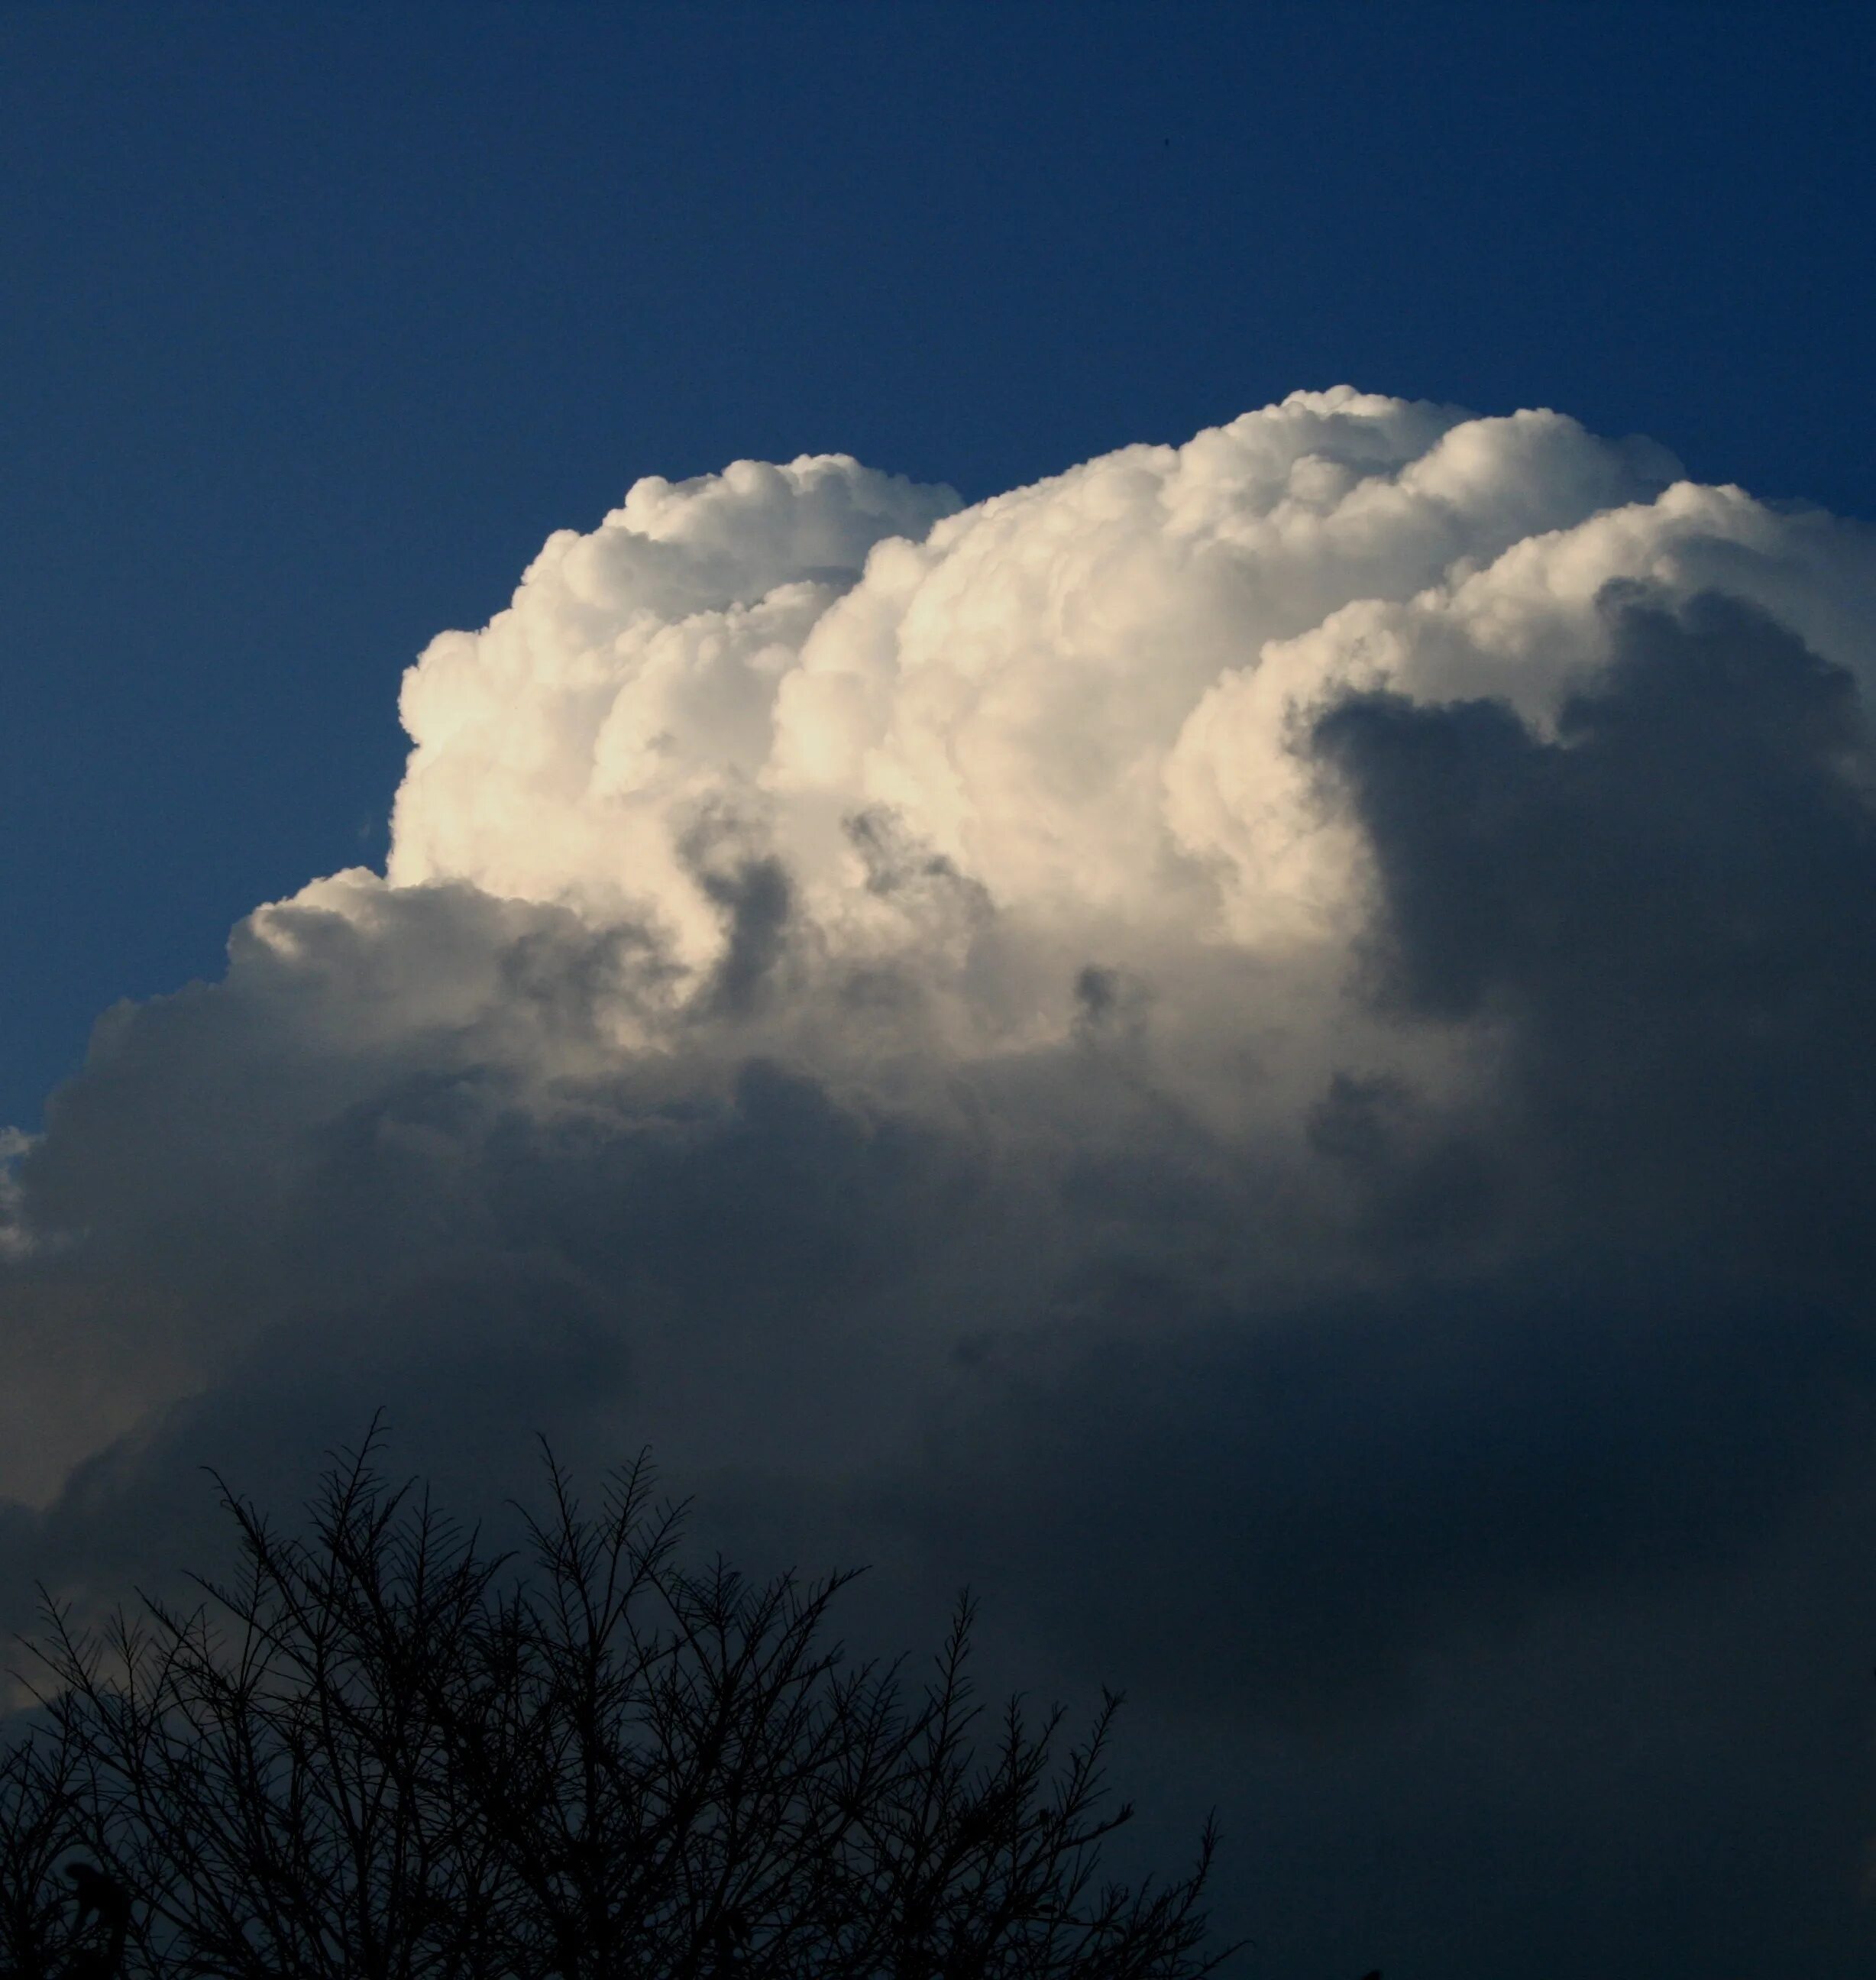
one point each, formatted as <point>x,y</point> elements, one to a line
<point>1283,1024</point>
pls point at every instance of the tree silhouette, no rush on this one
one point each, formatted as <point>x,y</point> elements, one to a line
<point>383,1752</point>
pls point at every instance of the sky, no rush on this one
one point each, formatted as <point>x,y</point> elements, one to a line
<point>1085,789</point>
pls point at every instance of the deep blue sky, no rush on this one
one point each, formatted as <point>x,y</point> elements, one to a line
<point>316,322</point>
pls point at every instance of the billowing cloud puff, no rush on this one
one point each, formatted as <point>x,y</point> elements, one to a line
<point>1047,689</point>
<point>1283,1022</point>
<point>1083,694</point>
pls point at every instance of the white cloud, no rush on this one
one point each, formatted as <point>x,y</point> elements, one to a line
<point>851,970</point>
<point>1081,693</point>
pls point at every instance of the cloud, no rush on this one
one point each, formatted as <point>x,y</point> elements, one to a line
<point>1669,911</point>
<point>1279,1026</point>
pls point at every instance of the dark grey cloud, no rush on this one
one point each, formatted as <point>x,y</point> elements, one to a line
<point>1669,915</point>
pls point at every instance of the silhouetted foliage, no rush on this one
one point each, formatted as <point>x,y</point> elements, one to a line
<point>383,1753</point>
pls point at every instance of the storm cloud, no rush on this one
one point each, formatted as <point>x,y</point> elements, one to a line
<point>1265,1049</point>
